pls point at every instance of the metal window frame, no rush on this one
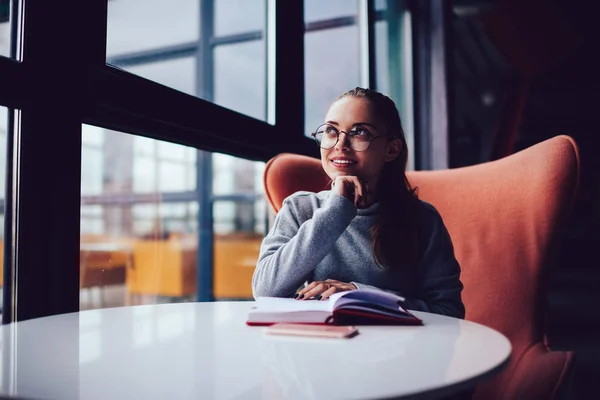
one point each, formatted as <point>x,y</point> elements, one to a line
<point>43,250</point>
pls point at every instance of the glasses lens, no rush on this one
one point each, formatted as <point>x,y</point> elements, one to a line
<point>326,136</point>
<point>359,142</point>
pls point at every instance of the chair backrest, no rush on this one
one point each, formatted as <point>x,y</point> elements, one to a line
<point>503,218</point>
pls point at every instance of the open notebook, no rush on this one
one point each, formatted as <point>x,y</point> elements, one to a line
<point>354,307</point>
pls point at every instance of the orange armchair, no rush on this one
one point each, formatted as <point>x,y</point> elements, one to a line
<point>504,218</point>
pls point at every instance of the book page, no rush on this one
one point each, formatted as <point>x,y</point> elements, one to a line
<point>281,304</point>
<point>374,297</point>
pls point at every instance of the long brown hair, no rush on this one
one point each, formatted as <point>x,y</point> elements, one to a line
<point>394,234</point>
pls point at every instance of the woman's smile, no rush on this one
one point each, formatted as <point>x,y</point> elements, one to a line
<point>343,162</point>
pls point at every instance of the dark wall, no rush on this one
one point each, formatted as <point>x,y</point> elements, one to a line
<point>553,47</point>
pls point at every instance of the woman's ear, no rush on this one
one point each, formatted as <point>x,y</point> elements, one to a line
<point>393,150</point>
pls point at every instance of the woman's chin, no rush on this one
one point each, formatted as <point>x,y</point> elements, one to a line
<point>333,172</point>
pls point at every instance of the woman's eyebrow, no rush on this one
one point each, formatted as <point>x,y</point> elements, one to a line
<point>365,123</point>
<point>354,124</point>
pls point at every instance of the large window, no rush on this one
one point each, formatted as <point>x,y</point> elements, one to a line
<point>139,221</point>
<point>331,56</point>
<point>139,161</point>
<point>163,41</point>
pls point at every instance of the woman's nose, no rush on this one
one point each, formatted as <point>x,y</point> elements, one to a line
<point>343,142</point>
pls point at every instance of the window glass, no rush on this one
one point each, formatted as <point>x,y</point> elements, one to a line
<point>138,25</point>
<point>5,29</point>
<point>159,40</point>
<point>3,137</point>
<point>393,60</point>
<point>316,10</point>
<point>332,67</point>
<point>381,4</point>
<point>139,221</point>
<point>240,79</point>
<point>381,57</point>
<point>239,16</point>
<point>177,73</point>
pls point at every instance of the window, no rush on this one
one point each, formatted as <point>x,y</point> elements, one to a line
<point>135,26</point>
<point>5,27</point>
<point>239,82</point>
<point>316,10</point>
<point>3,136</point>
<point>239,17</point>
<point>162,41</point>
<point>139,221</point>
<point>177,73</point>
<point>393,61</point>
<point>331,56</point>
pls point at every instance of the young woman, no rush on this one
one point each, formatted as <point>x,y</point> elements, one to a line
<point>370,231</point>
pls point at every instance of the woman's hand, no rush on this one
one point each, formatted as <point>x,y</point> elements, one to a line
<point>352,188</point>
<point>323,289</point>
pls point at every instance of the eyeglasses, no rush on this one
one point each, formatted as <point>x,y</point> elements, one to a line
<point>327,136</point>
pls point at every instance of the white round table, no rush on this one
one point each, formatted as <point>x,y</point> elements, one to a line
<point>206,351</point>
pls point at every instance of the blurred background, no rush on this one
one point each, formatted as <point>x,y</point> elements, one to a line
<point>480,79</point>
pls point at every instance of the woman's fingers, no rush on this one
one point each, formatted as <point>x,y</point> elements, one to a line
<point>319,288</point>
<point>356,198</point>
<point>325,295</point>
<point>358,192</point>
<point>352,188</point>
<point>302,293</point>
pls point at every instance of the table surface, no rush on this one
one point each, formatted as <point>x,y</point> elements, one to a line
<point>205,350</point>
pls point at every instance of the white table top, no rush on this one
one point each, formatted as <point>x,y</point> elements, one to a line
<point>205,350</point>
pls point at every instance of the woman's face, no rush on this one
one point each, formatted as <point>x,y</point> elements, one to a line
<point>355,115</point>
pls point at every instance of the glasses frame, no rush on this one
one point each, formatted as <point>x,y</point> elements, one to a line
<point>369,134</point>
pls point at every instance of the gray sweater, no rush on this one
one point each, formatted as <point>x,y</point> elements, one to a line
<point>319,236</point>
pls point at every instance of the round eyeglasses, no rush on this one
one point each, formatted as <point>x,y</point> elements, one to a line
<point>327,136</point>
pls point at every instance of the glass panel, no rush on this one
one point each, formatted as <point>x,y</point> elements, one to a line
<point>316,10</point>
<point>239,226</point>
<point>159,40</point>
<point>138,25</point>
<point>332,67</point>
<point>239,16</point>
<point>5,34</point>
<point>382,73</point>
<point>3,137</point>
<point>240,78</point>
<point>381,4</point>
<point>178,73</point>
<point>139,221</point>
<point>393,59</point>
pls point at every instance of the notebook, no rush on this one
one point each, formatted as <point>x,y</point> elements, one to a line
<point>353,307</point>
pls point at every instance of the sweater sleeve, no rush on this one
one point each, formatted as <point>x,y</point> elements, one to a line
<point>293,249</point>
<point>438,276</point>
